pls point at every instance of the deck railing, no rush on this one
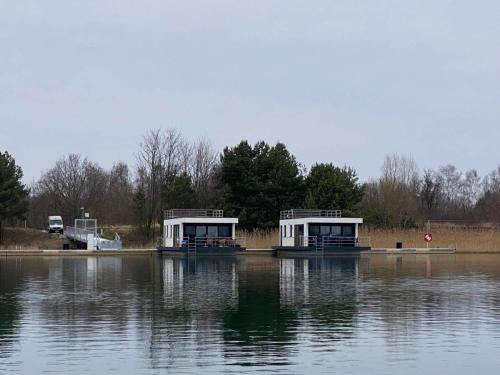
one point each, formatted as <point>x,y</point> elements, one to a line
<point>172,214</point>
<point>302,213</point>
<point>198,242</point>
<point>106,244</point>
<point>345,241</point>
<point>332,241</point>
<point>78,234</point>
<point>306,241</point>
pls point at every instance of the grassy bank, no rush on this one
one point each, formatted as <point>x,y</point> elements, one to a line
<point>29,239</point>
<point>130,237</point>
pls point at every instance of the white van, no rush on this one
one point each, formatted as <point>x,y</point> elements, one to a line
<point>55,224</point>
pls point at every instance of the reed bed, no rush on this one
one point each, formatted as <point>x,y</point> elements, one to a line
<point>475,240</point>
<point>464,240</point>
<point>260,239</point>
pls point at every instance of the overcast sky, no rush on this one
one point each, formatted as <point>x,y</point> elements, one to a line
<point>337,81</point>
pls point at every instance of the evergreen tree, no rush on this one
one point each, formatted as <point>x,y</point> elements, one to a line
<point>179,192</point>
<point>255,183</point>
<point>330,188</point>
<point>13,193</point>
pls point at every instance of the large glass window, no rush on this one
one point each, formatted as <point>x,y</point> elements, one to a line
<point>313,230</point>
<point>225,231</point>
<point>201,231</point>
<point>212,231</point>
<point>336,230</point>
<point>189,230</point>
<point>348,231</point>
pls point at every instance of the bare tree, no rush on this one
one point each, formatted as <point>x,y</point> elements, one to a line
<point>400,170</point>
<point>398,190</point>
<point>119,195</point>
<point>73,182</point>
<point>488,205</point>
<point>158,161</point>
<point>202,168</point>
<point>430,193</point>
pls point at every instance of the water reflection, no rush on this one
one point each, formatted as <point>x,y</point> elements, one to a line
<point>150,314</point>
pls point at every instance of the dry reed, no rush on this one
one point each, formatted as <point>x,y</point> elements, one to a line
<point>476,240</point>
<point>464,240</point>
<point>260,239</point>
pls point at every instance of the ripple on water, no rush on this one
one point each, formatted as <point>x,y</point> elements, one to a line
<point>154,315</point>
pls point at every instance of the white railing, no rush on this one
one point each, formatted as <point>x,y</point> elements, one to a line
<point>171,214</point>
<point>105,244</point>
<point>333,241</point>
<point>345,241</point>
<point>302,213</point>
<point>199,242</point>
<point>93,239</point>
<point>78,234</point>
<point>306,241</point>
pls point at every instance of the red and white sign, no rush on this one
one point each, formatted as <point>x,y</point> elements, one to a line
<point>428,237</point>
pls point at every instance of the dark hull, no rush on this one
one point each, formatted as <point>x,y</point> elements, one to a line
<point>308,251</point>
<point>205,250</point>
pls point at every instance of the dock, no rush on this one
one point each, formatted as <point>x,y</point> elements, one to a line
<point>84,235</point>
<point>421,250</point>
<point>244,253</point>
<point>121,252</point>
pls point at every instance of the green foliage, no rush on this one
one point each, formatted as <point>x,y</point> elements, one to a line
<point>255,183</point>
<point>179,192</point>
<point>330,188</point>
<point>13,193</point>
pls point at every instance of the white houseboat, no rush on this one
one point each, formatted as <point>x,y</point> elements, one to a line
<point>200,231</point>
<point>320,231</point>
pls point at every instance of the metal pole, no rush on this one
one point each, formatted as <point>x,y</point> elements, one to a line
<point>428,231</point>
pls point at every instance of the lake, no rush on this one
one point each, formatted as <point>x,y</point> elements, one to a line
<point>378,314</point>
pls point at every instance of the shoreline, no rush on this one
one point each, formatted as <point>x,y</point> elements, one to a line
<point>249,252</point>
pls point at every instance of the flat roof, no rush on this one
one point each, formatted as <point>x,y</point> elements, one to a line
<point>190,212</point>
<point>325,220</point>
<point>302,213</point>
<point>202,220</point>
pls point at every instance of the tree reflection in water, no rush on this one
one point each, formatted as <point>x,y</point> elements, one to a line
<point>154,313</point>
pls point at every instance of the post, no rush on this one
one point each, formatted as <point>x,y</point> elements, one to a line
<point>428,231</point>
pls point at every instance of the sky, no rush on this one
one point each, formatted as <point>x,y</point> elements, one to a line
<point>346,82</point>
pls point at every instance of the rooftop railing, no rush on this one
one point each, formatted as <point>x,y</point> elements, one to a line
<point>302,213</point>
<point>172,214</point>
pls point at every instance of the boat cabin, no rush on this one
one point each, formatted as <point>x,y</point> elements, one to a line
<point>324,230</point>
<point>199,230</point>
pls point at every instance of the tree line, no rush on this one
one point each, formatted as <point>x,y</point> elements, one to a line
<point>403,197</point>
<point>253,182</point>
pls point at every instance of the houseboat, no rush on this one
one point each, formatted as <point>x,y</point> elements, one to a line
<point>319,232</point>
<point>201,232</point>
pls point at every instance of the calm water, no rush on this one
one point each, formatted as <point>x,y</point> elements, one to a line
<point>150,315</point>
